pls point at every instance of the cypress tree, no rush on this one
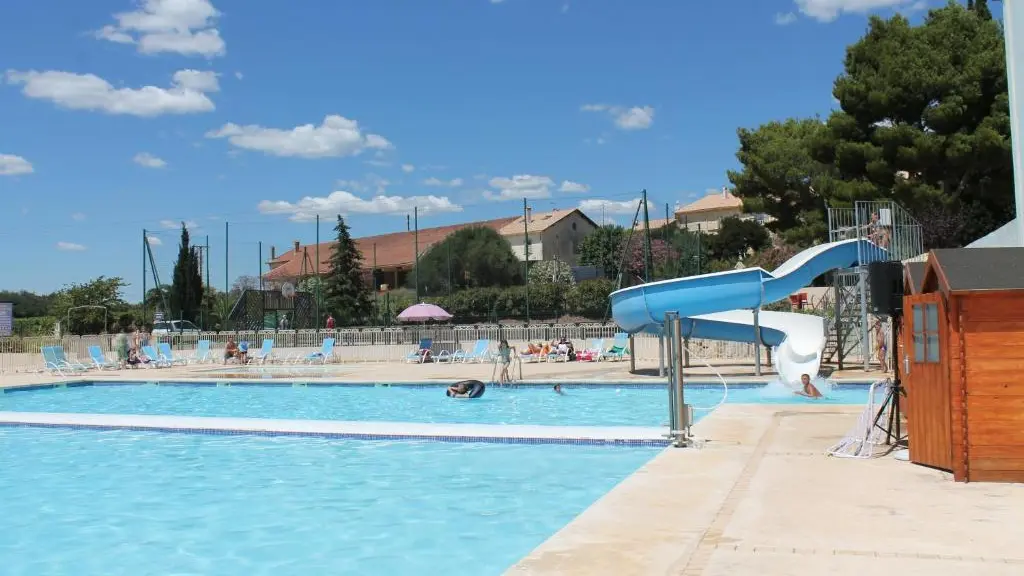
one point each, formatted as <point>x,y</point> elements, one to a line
<point>345,291</point>
<point>186,294</point>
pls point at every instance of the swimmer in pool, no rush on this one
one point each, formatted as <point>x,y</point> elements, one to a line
<point>460,390</point>
<point>808,389</point>
<point>558,389</point>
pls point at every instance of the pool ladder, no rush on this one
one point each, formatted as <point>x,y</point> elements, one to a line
<point>516,362</point>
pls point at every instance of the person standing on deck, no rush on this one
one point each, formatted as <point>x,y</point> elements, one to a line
<point>330,322</point>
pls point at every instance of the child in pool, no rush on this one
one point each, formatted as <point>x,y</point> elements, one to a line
<point>808,389</point>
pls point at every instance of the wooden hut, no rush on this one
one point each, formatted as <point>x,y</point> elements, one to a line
<point>963,362</point>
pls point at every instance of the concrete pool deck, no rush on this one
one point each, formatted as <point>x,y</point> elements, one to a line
<point>761,498</point>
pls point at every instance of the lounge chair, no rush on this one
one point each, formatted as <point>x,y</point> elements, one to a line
<point>50,363</point>
<point>99,360</point>
<point>530,356</point>
<point>202,354</point>
<point>266,351</point>
<point>65,363</point>
<point>421,354</point>
<point>592,353</point>
<point>321,356</point>
<point>154,357</point>
<point>167,355</point>
<point>479,353</point>
<point>619,348</point>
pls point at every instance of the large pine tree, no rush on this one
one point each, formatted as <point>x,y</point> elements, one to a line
<point>345,291</point>
<point>186,294</point>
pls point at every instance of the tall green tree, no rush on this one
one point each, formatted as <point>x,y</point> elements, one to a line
<point>101,291</point>
<point>346,292</point>
<point>925,119</point>
<point>736,237</point>
<point>478,257</point>
<point>782,179</point>
<point>602,248</point>
<point>186,294</point>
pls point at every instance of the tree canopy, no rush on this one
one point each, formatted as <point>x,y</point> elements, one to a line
<point>478,257</point>
<point>923,121</point>
<point>185,297</point>
<point>602,248</point>
<point>102,291</point>
<point>345,289</point>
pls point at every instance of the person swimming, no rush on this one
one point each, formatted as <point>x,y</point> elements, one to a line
<point>808,389</point>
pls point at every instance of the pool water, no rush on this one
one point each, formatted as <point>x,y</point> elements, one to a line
<point>88,503</point>
<point>579,406</point>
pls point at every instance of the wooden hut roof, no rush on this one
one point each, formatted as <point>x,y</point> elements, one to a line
<point>915,276</point>
<point>975,269</point>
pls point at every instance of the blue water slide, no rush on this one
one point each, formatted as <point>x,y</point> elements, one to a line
<point>643,307</point>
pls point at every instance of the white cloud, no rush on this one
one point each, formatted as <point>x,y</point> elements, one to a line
<point>78,217</point>
<point>176,224</point>
<point>239,75</point>
<point>785,19</point>
<point>11,165</point>
<point>573,187</point>
<point>453,183</point>
<point>187,94</point>
<point>625,118</point>
<point>336,136</point>
<point>342,202</point>
<point>829,10</point>
<point>70,247</point>
<point>148,160</point>
<point>407,168</point>
<point>154,241</point>
<point>520,186</point>
<point>186,27</point>
<point>612,207</point>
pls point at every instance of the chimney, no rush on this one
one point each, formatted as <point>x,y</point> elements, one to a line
<point>297,246</point>
<point>529,214</point>
<point>725,192</point>
<point>273,253</point>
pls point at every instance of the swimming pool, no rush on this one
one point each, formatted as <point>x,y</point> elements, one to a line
<point>605,405</point>
<point>84,502</point>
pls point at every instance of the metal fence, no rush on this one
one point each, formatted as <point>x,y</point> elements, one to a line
<point>372,344</point>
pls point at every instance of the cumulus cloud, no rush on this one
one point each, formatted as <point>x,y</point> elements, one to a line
<point>154,241</point>
<point>343,202</point>
<point>625,118</point>
<point>612,207</point>
<point>186,27</point>
<point>570,187</point>
<point>11,165</point>
<point>70,247</point>
<point>407,168</point>
<point>829,10</point>
<point>336,136</point>
<point>520,186</point>
<point>187,94</point>
<point>148,160</point>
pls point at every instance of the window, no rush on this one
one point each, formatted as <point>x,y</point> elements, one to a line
<point>926,333</point>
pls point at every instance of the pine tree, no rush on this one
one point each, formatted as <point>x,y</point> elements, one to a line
<point>345,291</point>
<point>186,294</point>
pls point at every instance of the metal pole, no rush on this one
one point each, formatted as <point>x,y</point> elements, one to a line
<point>647,238</point>
<point>376,286</point>
<point>632,355</point>
<point>259,262</point>
<point>206,262</point>
<point>526,257</point>
<point>671,352</point>
<point>862,273</point>
<point>661,353</point>
<point>416,249</point>
<point>319,319</point>
<point>682,433</point>
<point>757,343</point>
<point>144,307</point>
<point>227,291</point>
<point>449,275</point>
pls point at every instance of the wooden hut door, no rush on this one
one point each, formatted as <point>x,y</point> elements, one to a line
<point>926,374</point>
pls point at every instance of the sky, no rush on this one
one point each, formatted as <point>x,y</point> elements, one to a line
<point>119,116</point>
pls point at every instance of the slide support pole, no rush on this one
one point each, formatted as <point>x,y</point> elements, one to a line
<point>684,414</point>
<point>757,343</point>
<point>661,353</point>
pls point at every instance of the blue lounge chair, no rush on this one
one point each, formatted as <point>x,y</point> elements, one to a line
<point>50,363</point>
<point>266,351</point>
<point>167,355</point>
<point>202,354</point>
<point>479,353</point>
<point>63,361</point>
<point>99,360</point>
<point>421,354</point>
<point>154,357</point>
<point>320,357</point>
<point>619,349</point>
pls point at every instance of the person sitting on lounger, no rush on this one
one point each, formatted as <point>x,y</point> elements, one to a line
<point>243,352</point>
<point>230,349</point>
<point>808,389</point>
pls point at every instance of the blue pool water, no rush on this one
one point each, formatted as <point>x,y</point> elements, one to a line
<point>579,406</point>
<point>87,503</point>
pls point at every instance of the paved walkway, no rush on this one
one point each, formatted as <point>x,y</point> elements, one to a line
<point>760,498</point>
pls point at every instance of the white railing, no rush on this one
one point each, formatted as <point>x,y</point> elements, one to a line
<point>369,344</point>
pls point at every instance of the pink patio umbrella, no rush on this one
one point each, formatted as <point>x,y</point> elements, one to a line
<point>424,312</point>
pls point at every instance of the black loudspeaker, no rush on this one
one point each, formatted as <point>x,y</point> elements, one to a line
<point>885,279</point>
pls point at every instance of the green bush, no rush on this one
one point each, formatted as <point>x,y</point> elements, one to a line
<point>587,300</point>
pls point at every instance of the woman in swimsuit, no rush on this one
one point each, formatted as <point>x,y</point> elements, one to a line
<point>808,389</point>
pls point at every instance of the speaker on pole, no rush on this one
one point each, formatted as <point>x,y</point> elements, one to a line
<point>885,279</point>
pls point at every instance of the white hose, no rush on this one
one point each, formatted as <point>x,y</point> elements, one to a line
<point>725,386</point>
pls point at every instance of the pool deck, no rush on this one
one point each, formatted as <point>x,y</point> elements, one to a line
<point>761,498</point>
<point>497,433</point>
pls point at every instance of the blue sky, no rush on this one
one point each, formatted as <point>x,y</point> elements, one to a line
<point>119,116</point>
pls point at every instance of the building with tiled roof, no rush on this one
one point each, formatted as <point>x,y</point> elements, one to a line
<point>707,213</point>
<point>554,235</point>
